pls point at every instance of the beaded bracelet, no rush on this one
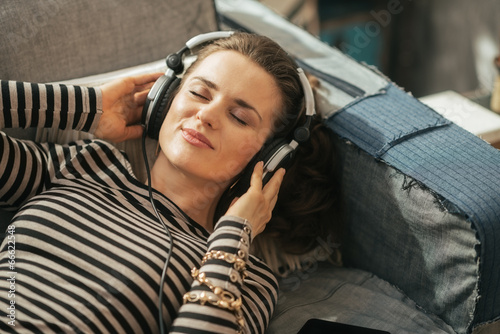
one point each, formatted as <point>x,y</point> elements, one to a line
<point>239,264</point>
<point>219,297</point>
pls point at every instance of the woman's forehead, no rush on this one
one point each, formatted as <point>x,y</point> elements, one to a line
<point>238,73</point>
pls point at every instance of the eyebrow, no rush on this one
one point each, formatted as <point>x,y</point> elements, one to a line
<point>240,102</point>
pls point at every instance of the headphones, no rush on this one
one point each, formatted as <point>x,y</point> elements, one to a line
<point>276,153</point>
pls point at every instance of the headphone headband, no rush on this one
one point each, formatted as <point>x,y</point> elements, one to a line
<point>302,133</point>
<point>207,37</point>
<point>308,93</point>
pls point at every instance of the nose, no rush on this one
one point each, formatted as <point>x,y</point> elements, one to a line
<point>209,115</point>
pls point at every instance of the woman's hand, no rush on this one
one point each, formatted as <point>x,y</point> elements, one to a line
<point>257,204</point>
<point>122,102</point>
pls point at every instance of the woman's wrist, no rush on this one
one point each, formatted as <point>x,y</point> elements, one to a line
<point>245,224</point>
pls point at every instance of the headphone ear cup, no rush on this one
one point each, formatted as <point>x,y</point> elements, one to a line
<point>268,154</point>
<point>278,154</point>
<point>265,154</point>
<point>161,107</point>
<point>269,150</point>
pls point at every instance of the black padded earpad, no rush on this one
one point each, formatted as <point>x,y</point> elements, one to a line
<point>161,107</point>
<point>267,152</point>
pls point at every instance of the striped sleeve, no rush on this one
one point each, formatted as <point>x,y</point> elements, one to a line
<point>27,105</point>
<point>24,164</point>
<point>257,291</point>
<point>23,167</point>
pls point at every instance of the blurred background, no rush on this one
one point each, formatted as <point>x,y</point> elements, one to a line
<point>425,46</point>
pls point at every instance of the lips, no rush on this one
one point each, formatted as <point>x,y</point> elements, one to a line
<point>196,138</point>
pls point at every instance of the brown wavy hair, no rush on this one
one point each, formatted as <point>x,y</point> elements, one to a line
<point>306,214</point>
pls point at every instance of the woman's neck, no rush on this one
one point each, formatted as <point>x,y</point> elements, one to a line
<point>197,197</point>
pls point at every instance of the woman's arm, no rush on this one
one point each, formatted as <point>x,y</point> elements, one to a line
<point>24,165</point>
<point>25,105</point>
<point>122,104</point>
<point>111,111</point>
<point>231,292</point>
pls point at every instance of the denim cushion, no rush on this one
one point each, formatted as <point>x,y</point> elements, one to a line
<point>462,175</point>
<point>401,231</point>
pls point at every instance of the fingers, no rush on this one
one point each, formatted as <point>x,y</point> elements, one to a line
<point>146,78</point>
<point>257,204</point>
<point>133,132</point>
<point>140,98</point>
<point>256,179</point>
<point>122,104</point>
<point>271,189</point>
<point>234,201</point>
<point>274,183</point>
<point>143,86</point>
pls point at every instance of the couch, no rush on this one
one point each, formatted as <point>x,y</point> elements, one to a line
<point>420,195</point>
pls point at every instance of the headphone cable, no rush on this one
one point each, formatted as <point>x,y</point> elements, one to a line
<point>160,219</point>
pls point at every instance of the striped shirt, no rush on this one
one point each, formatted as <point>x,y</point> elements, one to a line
<point>85,252</point>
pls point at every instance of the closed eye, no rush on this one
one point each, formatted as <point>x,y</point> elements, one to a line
<point>198,95</point>
<point>239,120</point>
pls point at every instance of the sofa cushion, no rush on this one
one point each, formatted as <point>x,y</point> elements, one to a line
<point>52,40</point>
<point>403,232</point>
<point>444,226</point>
<point>349,296</point>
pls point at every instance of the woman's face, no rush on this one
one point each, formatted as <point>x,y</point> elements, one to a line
<point>220,118</point>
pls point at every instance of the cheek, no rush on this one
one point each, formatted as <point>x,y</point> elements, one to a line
<point>165,129</point>
<point>235,162</point>
<point>246,147</point>
<point>179,108</point>
<point>250,147</point>
<point>175,113</point>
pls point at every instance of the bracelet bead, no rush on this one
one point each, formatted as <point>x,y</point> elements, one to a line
<point>217,297</point>
<point>238,263</point>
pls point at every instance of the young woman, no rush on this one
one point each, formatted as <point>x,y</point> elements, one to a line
<point>85,252</point>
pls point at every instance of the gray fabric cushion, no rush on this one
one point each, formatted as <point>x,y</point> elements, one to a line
<point>349,296</point>
<point>45,41</point>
